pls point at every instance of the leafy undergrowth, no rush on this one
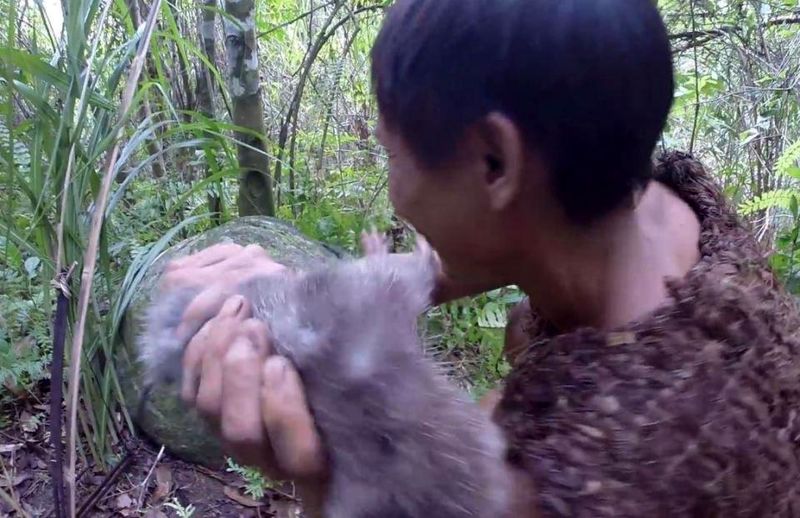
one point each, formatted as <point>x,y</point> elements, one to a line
<point>24,335</point>
<point>149,485</point>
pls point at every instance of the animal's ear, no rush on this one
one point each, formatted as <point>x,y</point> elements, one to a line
<point>374,243</point>
<point>425,253</point>
<point>415,275</point>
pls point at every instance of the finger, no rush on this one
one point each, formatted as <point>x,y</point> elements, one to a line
<point>294,438</point>
<point>176,278</point>
<point>209,390</point>
<point>235,306</point>
<point>245,255</point>
<point>203,307</point>
<point>241,426</point>
<point>237,274</point>
<point>258,334</point>
<point>208,256</point>
<point>216,333</point>
<point>254,258</point>
<point>192,362</point>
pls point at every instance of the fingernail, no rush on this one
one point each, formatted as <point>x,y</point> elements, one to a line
<point>233,305</point>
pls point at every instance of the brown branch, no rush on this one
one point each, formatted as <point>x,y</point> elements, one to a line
<point>701,33</point>
<point>107,484</point>
<point>696,87</point>
<point>294,105</point>
<point>293,20</point>
<point>290,121</point>
<point>698,38</point>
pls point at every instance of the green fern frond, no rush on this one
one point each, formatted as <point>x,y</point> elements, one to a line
<point>255,482</point>
<point>19,156</point>
<point>787,164</point>
<point>778,198</point>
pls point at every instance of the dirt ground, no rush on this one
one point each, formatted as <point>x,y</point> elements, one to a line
<point>143,485</point>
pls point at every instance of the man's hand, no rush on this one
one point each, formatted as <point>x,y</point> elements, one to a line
<point>253,399</point>
<point>224,263</point>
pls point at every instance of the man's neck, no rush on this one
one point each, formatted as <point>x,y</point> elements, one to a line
<point>614,272</point>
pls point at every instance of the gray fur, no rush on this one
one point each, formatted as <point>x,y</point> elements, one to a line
<point>403,442</point>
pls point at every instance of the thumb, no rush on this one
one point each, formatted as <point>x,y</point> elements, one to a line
<point>287,418</point>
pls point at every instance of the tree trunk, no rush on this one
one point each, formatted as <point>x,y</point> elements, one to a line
<point>205,89</point>
<point>255,184</point>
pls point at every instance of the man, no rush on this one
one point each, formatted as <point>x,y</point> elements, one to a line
<point>655,368</point>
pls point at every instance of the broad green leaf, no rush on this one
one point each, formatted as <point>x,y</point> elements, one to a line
<point>38,68</point>
<point>32,266</point>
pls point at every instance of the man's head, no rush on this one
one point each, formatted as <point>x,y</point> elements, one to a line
<point>494,108</point>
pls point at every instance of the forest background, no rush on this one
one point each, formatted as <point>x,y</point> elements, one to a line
<point>127,125</point>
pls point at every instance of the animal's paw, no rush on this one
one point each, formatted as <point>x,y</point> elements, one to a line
<point>374,243</point>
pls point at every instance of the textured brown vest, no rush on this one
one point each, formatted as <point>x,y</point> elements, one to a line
<point>691,411</point>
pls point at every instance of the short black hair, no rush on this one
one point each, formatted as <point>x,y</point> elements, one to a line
<point>589,82</point>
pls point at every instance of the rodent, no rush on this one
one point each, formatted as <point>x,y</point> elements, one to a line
<point>402,440</point>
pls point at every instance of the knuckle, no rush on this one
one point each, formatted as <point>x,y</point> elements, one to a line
<point>225,247</point>
<point>237,358</point>
<point>246,437</point>
<point>254,249</point>
<point>255,327</point>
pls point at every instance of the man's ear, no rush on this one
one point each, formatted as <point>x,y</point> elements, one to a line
<point>503,160</point>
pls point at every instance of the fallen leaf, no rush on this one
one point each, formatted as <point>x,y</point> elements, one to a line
<point>163,483</point>
<point>8,448</point>
<point>124,501</point>
<point>29,422</point>
<point>235,495</point>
